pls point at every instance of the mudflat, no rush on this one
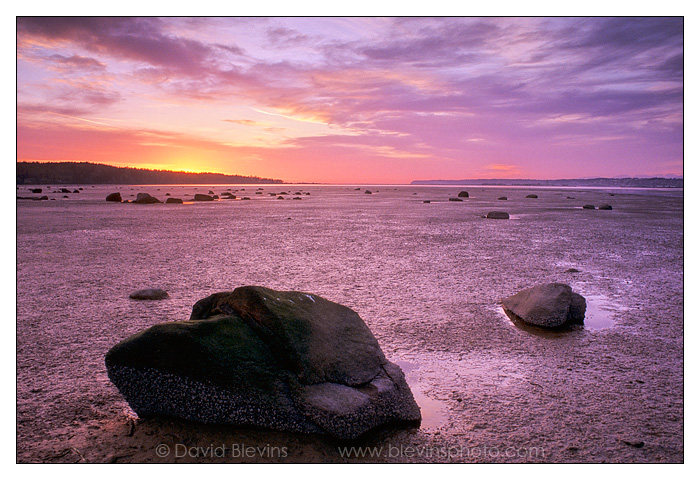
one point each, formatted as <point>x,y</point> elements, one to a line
<point>427,278</point>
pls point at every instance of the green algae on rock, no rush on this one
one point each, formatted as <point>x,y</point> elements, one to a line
<point>289,361</point>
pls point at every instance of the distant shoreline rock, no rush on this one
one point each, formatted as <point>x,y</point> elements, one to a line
<point>498,215</point>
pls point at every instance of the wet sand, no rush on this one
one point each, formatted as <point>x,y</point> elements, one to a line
<point>490,391</point>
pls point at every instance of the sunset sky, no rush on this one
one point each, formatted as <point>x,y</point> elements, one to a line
<point>355,100</point>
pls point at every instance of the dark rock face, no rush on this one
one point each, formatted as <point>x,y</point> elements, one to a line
<point>605,206</point>
<point>282,360</point>
<point>36,190</point>
<point>549,305</point>
<point>173,200</point>
<point>149,294</point>
<point>498,215</point>
<point>503,198</point>
<point>463,194</point>
<point>200,197</point>
<point>589,207</point>
<point>114,197</point>
<point>145,198</point>
<point>532,195</point>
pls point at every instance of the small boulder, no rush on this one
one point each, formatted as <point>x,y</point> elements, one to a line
<point>503,198</point>
<point>463,194</point>
<point>368,192</point>
<point>498,215</point>
<point>36,190</point>
<point>174,200</point>
<point>200,197</point>
<point>149,294</point>
<point>453,199</point>
<point>532,195</point>
<point>289,361</point>
<point>548,305</point>
<point>589,207</point>
<point>114,197</point>
<point>605,206</point>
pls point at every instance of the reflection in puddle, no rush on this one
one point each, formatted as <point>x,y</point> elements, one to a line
<point>431,410</point>
<point>599,313</point>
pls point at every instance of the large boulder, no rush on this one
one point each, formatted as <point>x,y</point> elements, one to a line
<point>549,305</point>
<point>463,194</point>
<point>288,361</point>
<point>200,197</point>
<point>498,215</point>
<point>114,197</point>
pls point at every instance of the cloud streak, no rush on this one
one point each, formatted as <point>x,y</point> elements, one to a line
<point>546,97</point>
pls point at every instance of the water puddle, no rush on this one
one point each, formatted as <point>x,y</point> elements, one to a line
<point>432,411</point>
<point>599,312</point>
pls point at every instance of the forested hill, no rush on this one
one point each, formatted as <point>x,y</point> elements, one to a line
<point>73,173</point>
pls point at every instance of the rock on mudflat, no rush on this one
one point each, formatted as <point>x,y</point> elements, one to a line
<point>463,194</point>
<point>114,197</point>
<point>149,294</point>
<point>288,361</point>
<point>145,198</point>
<point>549,305</point>
<point>498,215</point>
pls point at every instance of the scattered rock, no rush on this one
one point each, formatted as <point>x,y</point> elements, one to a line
<point>65,190</point>
<point>149,294</point>
<point>288,361</point>
<point>548,305</point>
<point>633,442</point>
<point>173,200</point>
<point>76,191</point>
<point>453,199</point>
<point>572,270</point>
<point>498,215</point>
<point>426,201</point>
<point>503,198</point>
<point>532,195</point>
<point>200,197</point>
<point>36,190</point>
<point>463,194</point>
<point>589,207</point>
<point>144,198</point>
<point>280,197</point>
<point>114,197</point>
<point>605,206</point>
<point>368,192</point>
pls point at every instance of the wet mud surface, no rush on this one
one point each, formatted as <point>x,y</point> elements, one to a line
<point>426,278</point>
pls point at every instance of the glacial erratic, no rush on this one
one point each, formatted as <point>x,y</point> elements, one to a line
<point>282,360</point>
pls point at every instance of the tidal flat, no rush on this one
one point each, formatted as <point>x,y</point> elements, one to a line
<point>427,278</point>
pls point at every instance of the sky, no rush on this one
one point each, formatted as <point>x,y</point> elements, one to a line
<point>355,100</point>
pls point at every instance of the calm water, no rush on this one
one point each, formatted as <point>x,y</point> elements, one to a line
<point>419,274</point>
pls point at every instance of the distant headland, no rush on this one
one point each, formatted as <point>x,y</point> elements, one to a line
<point>73,173</point>
<point>630,182</point>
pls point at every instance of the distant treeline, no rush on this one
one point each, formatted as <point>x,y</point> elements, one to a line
<point>73,173</point>
<point>654,182</point>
